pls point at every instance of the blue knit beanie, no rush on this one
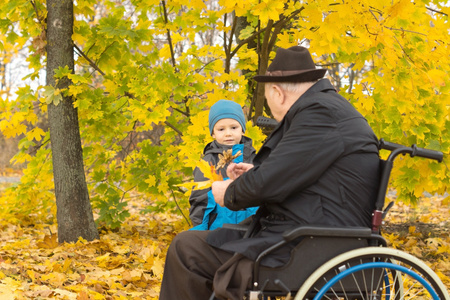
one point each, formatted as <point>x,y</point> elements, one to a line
<point>225,109</point>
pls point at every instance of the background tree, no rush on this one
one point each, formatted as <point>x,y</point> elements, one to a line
<point>147,71</point>
<point>74,213</point>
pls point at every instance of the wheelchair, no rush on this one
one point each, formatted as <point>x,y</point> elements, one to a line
<point>349,263</point>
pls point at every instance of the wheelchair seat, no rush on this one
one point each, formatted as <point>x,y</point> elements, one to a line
<point>317,246</point>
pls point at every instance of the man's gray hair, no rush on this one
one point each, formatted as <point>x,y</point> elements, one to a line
<point>292,87</point>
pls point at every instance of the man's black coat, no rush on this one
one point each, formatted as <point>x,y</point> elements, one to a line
<point>320,166</point>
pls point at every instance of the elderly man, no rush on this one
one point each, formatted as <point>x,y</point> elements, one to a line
<point>319,166</point>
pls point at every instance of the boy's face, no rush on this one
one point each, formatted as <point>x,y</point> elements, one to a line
<point>227,132</point>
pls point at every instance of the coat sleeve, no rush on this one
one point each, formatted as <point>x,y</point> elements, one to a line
<point>198,200</point>
<point>310,145</point>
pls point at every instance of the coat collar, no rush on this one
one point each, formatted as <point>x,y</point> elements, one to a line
<point>320,86</point>
<point>215,147</point>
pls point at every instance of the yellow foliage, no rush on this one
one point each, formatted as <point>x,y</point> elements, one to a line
<point>437,77</point>
<point>35,134</point>
<point>151,180</point>
<point>268,10</point>
<point>286,40</point>
<point>143,119</point>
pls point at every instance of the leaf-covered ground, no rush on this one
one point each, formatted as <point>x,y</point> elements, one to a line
<point>423,231</point>
<point>128,263</point>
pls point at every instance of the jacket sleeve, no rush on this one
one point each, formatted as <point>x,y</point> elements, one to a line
<point>198,200</point>
<point>310,145</point>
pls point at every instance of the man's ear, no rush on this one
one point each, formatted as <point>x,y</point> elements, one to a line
<point>278,93</point>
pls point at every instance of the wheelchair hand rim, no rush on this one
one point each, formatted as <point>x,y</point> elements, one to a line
<point>376,265</point>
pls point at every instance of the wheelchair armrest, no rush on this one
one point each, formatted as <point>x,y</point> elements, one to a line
<point>239,227</point>
<point>356,232</point>
<point>244,225</point>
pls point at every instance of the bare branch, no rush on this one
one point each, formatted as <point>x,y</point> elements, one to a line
<point>37,13</point>
<point>403,30</point>
<point>174,128</point>
<point>403,49</point>
<point>436,11</point>
<point>169,38</point>
<point>91,63</point>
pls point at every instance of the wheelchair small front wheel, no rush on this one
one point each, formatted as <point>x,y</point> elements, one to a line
<point>373,273</point>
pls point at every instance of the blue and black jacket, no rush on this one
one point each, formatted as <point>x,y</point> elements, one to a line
<point>205,213</point>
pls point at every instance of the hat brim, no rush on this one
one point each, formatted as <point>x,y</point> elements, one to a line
<point>310,75</point>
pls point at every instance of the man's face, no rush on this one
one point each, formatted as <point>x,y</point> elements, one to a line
<point>227,132</point>
<point>274,98</point>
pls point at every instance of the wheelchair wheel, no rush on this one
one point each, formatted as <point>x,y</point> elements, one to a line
<point>373,273</point>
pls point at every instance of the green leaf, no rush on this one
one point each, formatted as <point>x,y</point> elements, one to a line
<point>52,95</point>
<point>48,94</point>
<point>247,32</point>
<point>62,72</point>
<point>434,145</point>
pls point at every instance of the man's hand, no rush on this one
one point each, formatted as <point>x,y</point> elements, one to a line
<point>235,170</point>
<point>218,189</point>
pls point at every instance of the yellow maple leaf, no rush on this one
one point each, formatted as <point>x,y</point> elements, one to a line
<point>6,292</point>
<point>82,295</point>
<point>151,180</point>
<point>74,90</point>
<point>49,242</point>
<point>444,249</point>
<point>66,265</point>
<point>209,171</point>
<point>31,274</point>
<point>437,76</point>
<point>36,134</point>
<point>11,131</point>
<point>158,267</point>
<point>55,279</point>
<point>165,52</point>
<point>286,40</point>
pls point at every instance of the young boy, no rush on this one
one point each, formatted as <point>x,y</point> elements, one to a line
<point>226,126</point>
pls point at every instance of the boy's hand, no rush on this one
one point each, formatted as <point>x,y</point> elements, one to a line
<point>235,170</point>
<point>218,189</point>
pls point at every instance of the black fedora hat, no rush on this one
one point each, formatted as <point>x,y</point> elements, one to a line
<point>294,64</point>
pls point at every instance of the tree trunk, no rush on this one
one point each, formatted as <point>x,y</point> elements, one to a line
<point>264,52</point>
<point>74,212</point>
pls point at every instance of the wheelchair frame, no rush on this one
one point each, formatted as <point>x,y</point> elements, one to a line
<point>350,263</point>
